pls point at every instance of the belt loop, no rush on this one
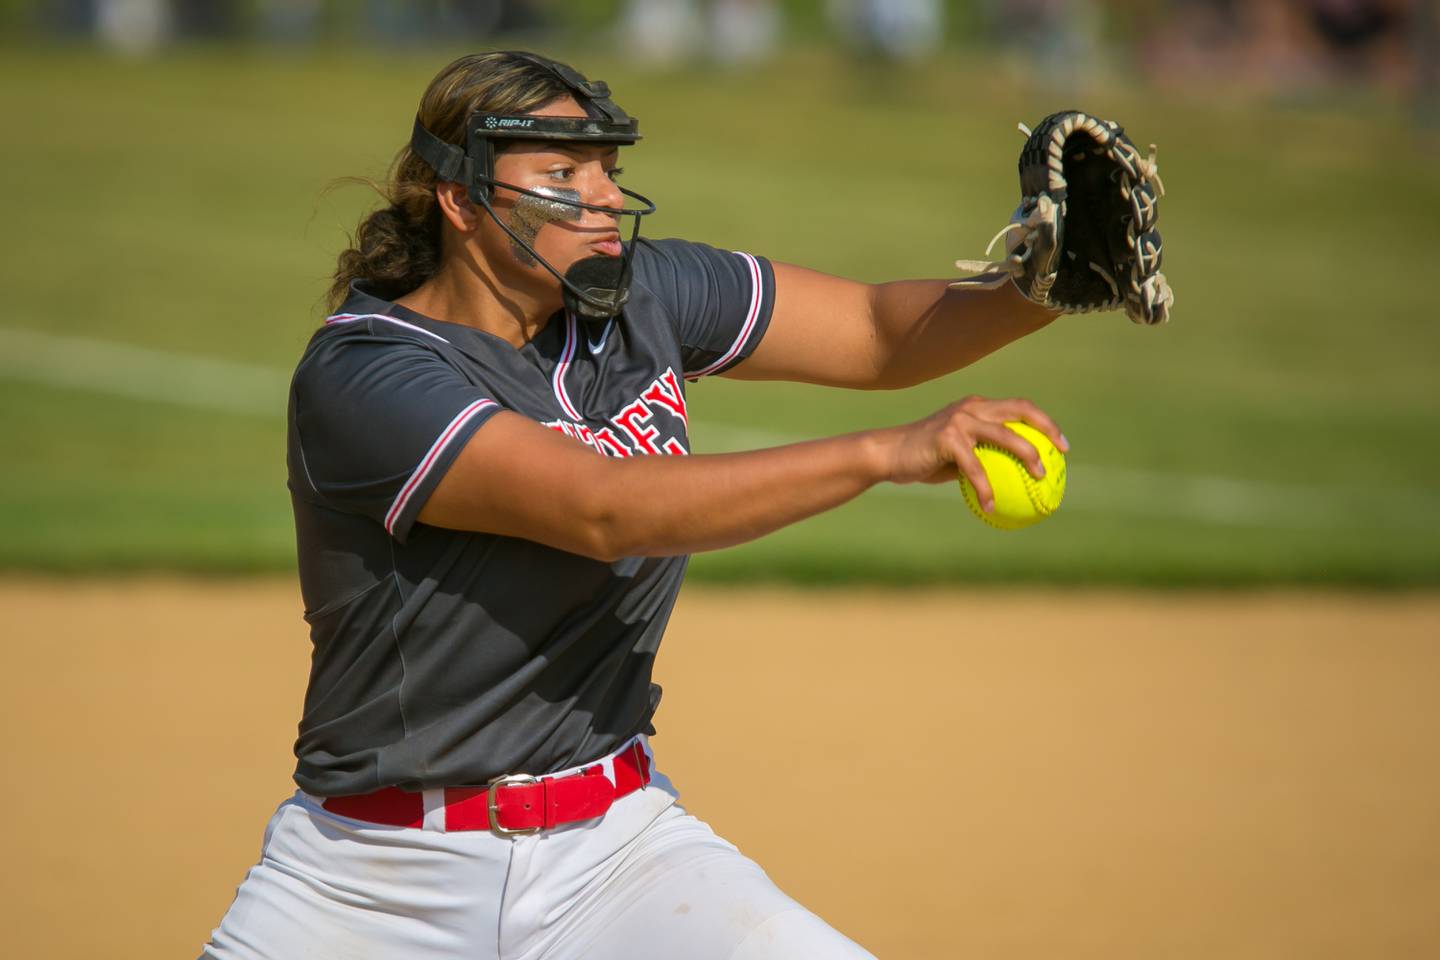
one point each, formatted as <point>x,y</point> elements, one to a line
<point>434,801</point>
<point>548,804</point>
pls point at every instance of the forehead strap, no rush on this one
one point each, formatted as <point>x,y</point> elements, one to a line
<point>474,163</point>
<point>593,95</point>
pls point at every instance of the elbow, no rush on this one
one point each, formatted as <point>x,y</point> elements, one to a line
<point>628,509</point>
<point>599,538</point>
<point>886,380</point>
<point>611,542</point>
<point>605,547</point>
<point>606,530</point>
<point>893,376</point>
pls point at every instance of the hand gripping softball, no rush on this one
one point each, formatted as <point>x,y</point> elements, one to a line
<point>1083,237</point>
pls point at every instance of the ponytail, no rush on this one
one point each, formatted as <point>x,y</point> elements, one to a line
<point>396,248</point>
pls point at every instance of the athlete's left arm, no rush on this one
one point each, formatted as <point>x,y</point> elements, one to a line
<point>842,333</point>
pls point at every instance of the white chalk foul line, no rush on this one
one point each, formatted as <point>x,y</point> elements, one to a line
<point>196,381</point>
<point>142,373</point>
<point>1207,499</point>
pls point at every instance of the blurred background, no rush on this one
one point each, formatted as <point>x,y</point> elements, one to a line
<point>176,206</point>
<point>1239,768</point>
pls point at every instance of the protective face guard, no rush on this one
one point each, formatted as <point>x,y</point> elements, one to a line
<point>595,287</point>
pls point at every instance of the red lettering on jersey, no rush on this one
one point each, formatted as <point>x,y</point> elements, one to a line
<point>577,431</point>
<point>675,448</point>
<point>631,419</point>
<point>586,436</point>
<point>609,443</point>
<point>668,393</point>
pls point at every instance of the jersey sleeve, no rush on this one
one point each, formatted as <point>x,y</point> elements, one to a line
<point>376,422</point>
<point>718,301</point>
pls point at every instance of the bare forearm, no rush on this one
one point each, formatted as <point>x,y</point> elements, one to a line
<point>518,479</point>
<point>843,333</point>
<point>925,328</point>
<point>662,506</point>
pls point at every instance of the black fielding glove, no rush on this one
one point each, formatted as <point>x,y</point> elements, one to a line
<point>1083,237</point>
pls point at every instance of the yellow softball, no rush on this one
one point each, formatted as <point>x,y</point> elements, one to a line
<point>1020,499</point>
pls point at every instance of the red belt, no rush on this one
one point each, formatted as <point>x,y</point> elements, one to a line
<point>515,804</point>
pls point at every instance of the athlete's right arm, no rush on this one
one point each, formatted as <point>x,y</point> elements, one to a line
<point>517,478</point>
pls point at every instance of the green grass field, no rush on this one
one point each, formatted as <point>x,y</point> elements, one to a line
<point>173,214</point>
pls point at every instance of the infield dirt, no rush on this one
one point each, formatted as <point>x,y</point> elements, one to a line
<point>938,774</point>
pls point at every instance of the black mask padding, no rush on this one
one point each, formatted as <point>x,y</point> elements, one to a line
<point>603,279</point>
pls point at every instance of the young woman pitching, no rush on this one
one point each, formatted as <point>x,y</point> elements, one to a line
<point>494,503</point>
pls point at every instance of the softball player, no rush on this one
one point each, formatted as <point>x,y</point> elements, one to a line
<point>494,504</point>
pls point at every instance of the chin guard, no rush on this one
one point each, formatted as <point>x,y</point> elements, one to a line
<point>603,285</point>
<point>594,288</point>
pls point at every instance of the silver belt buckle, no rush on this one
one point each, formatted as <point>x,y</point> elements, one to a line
<point>492,806</point>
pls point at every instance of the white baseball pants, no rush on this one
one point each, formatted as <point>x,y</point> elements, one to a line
<point>647,880</point>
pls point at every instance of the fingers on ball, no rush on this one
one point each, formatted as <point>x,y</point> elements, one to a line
<point>1023,410</point>
<point>1006,439</point>
<point>969,465</point>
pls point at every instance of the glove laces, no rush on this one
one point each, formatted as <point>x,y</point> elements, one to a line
<point>994,273</point>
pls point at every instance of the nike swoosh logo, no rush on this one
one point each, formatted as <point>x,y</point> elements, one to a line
<point>605,335</point>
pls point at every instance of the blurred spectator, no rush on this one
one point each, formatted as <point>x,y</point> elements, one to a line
<point>1366,39</point>
<point>1060,39</point>
<point>742,31</point>
<point>892,29</point>
<point>1348,25</point>
<point>1284,45</point>
<point>134,27</point>
<point>669,32</point>
<point>205,19</point>
<point>291,21</point>
<point>422,21</point>
<point>139,26</point>
<point>68,17</point>
<point>661,32</point>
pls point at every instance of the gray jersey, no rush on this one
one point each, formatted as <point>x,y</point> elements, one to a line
<point>446,658</point>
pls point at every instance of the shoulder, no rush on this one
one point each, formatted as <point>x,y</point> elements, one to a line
<point>353,352</point>
<point>674,254</point>
<point>673,266</point>
<point>351,328</point>
<point>365,318</point>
